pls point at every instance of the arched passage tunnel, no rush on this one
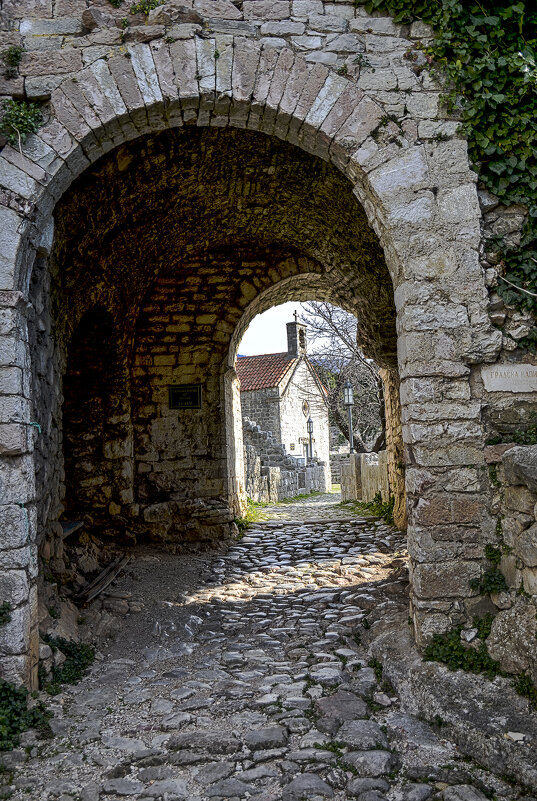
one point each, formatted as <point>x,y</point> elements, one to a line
<point>164,251</point>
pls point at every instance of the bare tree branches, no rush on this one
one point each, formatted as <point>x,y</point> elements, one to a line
<point>336,356</point>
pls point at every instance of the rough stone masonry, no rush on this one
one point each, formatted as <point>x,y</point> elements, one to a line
<point>194,167</point>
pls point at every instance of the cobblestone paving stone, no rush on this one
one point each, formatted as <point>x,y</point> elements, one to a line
<point>244,677</point>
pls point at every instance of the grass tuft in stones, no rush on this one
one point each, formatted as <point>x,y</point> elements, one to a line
<point>115,3</point>
<point>333,746</point>
<point>377,669</point>
<point>19,119</point>
<point>377,507</point>
<point>253,515</point>
<point>16,716</point>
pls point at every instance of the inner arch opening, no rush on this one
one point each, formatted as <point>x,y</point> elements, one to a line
<point>180,239</point>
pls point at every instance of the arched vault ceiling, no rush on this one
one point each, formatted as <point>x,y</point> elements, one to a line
<point>160,204</point>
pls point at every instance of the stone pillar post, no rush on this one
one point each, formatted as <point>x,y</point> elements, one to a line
<point>19,638</point>
<point>234,444</point>
<point>394,445</point>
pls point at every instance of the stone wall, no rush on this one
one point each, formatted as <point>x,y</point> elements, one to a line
<point>263,406</point>
<point>336,461</point>
<point>374,476</point>
<point>271,474</point>
<point>513,555</point>
<point>356,178</point>
<point>364,476</point>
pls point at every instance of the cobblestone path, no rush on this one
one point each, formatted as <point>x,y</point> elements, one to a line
<point>244,677</point>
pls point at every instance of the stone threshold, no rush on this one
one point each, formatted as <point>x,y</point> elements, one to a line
<point>477,713</point>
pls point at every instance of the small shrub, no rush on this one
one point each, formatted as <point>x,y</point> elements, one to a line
<point>448,649</point>
<point>115,3</point>
<point>20,119</point>
<point>493,554</point>
<point>483,625</point>
<point>377,669</point>
<point>16,717</point>
<point>12,58</point>
<point>78,657</point>
<point>524,686</point>
<point>491,581</point>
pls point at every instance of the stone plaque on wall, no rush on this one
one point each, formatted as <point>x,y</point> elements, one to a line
<point>510,377</point>
<point>184,396</point>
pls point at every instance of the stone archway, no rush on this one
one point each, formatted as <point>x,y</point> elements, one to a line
<point>420,200</point>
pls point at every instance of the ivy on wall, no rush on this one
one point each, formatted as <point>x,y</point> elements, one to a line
<point>487,54</point>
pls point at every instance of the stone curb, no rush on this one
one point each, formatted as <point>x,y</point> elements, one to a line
<point>477,713</point>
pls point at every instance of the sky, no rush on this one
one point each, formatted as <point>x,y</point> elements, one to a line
<point>267,333</point>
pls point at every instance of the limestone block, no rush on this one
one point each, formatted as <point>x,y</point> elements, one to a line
<point>183,55</point>
<point>307,42</point>
<point>383,26</point>
<point>284,28</point>
<point>12,87</point>
<point>408,171</point>
<point>439,510</point>
<point>144,69</point>
<point>529,577</point>
<point>458,204</point>
<point>223,9</point>
<point>441,316</point>
<point>17,480</point>
<point>520,466</point>
<point>140,33</point>
<point>327,23</point>
<point>15,635</point>
<point>14,587</point>
<point>10,378</point>
<point>518,498</point>
<point>50,27</point>
<point>28,8</point>
<point>50,62</point>
<point>330,59</point>
<point>444,580</point>
<point>525,546</point>
<point>331,91</point>
<point>13,439</point>
<point>178,11</point>
<point>303,8</point>
<point>94,17</point>
<point>512,636</point>
<point>385,79</point>
<point>266,9</point>
<point>341,111</point>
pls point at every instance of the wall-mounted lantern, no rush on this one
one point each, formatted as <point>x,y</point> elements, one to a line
<point>348,400</point>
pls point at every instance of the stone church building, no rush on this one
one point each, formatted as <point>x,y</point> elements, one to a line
<point>281,391</point>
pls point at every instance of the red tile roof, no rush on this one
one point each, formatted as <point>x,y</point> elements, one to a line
<point>263,372</point>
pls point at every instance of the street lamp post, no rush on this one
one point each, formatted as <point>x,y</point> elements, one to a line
<point>348,400</point>
<point>309,426</point>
